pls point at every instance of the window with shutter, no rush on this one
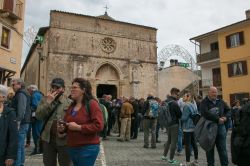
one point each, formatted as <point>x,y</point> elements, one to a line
<point>237,68</point>
<point>238,96</point>
<point>5,39</point>
<point>8,5</point>
<point>214,46</point>
<point>235,39</point>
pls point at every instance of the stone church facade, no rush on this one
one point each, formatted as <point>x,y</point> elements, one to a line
<point>118,58</point>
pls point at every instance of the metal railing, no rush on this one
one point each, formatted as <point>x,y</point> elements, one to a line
<point>204,83</point>
<point>208,56</point>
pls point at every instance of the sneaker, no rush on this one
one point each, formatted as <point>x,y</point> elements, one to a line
<point>164,158</point>
<point>27,145</point>
<point>153,147</point>
<point>195,163</point>
<point>120,139</point>
<point>173,161</point>
<point>178,153</point>
<point>158,141</point>
<point>186,164</point>
<point>33,153</point>
<point>145,146</point>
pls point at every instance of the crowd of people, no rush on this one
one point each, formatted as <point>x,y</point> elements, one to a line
<point>67,129</point>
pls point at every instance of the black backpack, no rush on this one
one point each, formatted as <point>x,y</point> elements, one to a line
<point>164,116</point>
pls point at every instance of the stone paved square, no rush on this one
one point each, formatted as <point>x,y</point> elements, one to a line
<point>133,154</point>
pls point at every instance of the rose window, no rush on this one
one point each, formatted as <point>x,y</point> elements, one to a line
<point>108,45</point>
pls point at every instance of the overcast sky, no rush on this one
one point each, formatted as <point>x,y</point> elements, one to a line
<point>176,20</point>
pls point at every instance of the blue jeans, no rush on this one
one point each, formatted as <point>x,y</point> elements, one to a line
<point>36,129</point>
<point>85,155</point>
<point>157,130</point>
<point>179,143</point>
<point>220,143</point>
<point>22,132</point>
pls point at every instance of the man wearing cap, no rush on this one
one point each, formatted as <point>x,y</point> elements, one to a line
<point>52,109</point>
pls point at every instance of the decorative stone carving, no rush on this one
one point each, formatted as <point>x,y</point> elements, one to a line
<point>80,70</point>
<point>108,45</point>
<point>73,41</point>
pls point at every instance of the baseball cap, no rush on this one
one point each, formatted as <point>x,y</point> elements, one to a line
<point>59,82</point>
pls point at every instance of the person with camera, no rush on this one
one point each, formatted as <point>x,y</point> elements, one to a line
<point>51,110</point>
<point>82,123</point>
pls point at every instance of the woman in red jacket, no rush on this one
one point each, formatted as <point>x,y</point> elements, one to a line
<point>83,122</point>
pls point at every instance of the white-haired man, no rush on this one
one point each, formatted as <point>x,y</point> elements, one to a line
<point>36,97</point>
<point>208,106</point>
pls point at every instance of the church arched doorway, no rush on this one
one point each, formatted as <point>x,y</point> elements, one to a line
<point>106,89</point>
<point>107,81</point>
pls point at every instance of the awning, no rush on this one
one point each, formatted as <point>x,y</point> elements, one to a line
<point>5,74</point>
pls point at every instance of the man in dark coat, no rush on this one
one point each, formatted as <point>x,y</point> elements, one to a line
<point>21,104</point>
<point>208,107</point>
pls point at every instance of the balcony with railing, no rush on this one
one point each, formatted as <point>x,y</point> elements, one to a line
<point>208,56</point>
<point>206,83</point>
<point>12,9</point>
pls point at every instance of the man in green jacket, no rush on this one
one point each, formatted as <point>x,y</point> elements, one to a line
<point>50,110</point>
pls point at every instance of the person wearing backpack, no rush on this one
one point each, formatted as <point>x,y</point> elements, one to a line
<point>82,123</point>
<point>173,125</point>
<point>188,129</point>
<point>150,121</point>
<point>21,104</point>
<point>8,128</point>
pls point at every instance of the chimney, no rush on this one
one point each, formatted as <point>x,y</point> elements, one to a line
<point>172,63</point>
<point>248,14</point>
<point>176,62</point>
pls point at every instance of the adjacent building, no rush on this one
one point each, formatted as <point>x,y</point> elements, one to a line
<point>11,34</point>
<point>118,58</point>
<point>179,77</point>
<point>225,60</point>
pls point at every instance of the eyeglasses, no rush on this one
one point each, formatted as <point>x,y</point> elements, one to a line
<point>74,87</point>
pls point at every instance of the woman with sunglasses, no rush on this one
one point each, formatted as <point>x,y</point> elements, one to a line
<point>83,121</point>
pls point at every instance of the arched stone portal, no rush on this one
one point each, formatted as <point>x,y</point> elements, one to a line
<point>107,81</point>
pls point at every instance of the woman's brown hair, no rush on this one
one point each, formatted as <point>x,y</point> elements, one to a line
<point>86,86</point>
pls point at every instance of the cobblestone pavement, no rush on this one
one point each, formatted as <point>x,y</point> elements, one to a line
<point>133,154</point>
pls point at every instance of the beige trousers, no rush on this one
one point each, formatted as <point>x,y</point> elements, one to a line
<point>125,128</point>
